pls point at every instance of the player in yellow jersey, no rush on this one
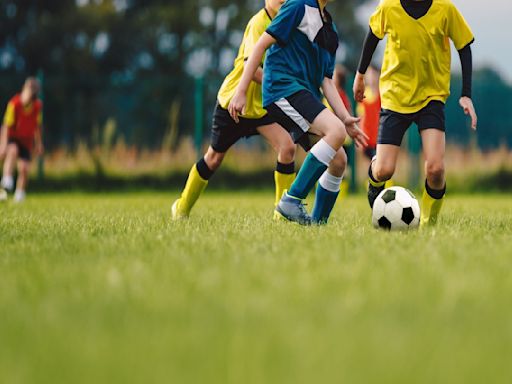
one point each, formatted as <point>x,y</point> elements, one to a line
<point>414,85</point>
<point>254,121</point>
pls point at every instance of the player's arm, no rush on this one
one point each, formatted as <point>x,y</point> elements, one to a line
<point>333,98</point>
<point>465,101</point>
<point>38,135</point>
<point>258,75</point>
<point>237,104</point>
<point>3,139</point>
<point>370,45</point>
<point>8,122</point>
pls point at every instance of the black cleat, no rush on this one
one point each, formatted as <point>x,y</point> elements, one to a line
<point>373,192</point>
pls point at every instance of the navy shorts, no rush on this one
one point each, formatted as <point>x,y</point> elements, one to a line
<point>226,132</point>
<point>393,125</point>
<point>295,113</point>
<point>23,152</point>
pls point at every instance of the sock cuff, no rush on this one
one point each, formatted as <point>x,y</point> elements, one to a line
<point>373,180</point>
<point>286,169</point>
<point>435,193</point>
<point>329,182</point>
<point>204,171</point>
<point>323,152</point>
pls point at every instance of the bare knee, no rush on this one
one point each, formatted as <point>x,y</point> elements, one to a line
<point>213,159</point>
<point>382,171</point>
<point>286,152</point>
<point>336,135</point>
<point>435,172</point>
<point>338,163</point>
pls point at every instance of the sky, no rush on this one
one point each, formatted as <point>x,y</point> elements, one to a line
<point>488,19</point>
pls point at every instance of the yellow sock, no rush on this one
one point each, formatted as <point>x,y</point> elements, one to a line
<point>193,188</point>
<point>377,184</point>
<point>283,182</point>
<point>430,208</point>
<point>390,183</point>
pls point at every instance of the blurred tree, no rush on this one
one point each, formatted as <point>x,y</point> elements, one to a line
<point>132,59</point>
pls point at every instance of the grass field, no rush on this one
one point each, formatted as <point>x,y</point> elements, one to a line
<point>106,289</point>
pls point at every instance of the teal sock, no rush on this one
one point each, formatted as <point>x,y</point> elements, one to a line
<point>324,203</point>
<point>308,175</point>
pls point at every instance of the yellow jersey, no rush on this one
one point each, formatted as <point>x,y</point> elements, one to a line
<point>417,59</point>
<point>254,106</point>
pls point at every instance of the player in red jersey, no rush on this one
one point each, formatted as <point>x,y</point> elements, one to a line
<point>369,111</point>
<point>21,136</point>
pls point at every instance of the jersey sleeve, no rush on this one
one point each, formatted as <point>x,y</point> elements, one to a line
<point>255,29</point>
<point>9,117</point>
<point>286,21</point>
<point>378,21</point>
<point>329,71</point>
<point>458,29</point>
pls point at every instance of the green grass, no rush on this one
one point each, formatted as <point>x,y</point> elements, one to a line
<point>105,289</point>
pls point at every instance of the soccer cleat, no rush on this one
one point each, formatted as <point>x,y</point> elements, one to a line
<point>176,213</point>
<point>373,192</point>
<point>19,196</point>
<point>292,209</point>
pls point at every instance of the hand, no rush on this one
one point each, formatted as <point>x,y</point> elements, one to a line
<point>237,105</point>
<point>359,137</point>
<point>359,87</point>
<point>467,105</point>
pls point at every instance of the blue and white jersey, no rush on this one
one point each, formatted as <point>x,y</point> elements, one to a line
<point>304,54</point>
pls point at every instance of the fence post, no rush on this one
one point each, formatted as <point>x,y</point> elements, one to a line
<point>414,144</point>
<point>198,116</point>
<point>40,159</point>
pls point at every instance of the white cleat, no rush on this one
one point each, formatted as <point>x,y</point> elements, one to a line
<point>175,214</point>
<point>19,196</point>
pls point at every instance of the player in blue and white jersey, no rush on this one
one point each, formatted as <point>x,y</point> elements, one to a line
<point>298,68</point>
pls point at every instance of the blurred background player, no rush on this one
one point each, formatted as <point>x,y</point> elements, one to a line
<point>415,84</point>
<point>369,111</point>
<point>21,134</point>
<point>253,121</point>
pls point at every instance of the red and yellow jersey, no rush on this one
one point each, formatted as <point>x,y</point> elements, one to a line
<point>23,121</point>
<point>369,111</point>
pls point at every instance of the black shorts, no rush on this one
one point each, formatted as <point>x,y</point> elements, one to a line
<point>393,125</point>
<point>226,132</point>
<point>23,151</point>
<point>295,113</point>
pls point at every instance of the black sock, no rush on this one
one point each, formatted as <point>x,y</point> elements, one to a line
<point>435,193</point>
<point>204,171</point>
<point>286,169</point>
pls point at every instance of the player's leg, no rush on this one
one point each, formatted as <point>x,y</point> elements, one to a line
<point>431,124</point>
<point>196,182</point>
<point>224,135</point>
<point>21,184</point>
<point>283,144</point>
<point>392,128</point>
<point>381,169</point>
<point>11,156</point>
<point>435,183</point>
<point>328,188</point>
<point>332,132</point>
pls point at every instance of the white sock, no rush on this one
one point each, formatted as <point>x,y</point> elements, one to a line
<point>323,152</point>
<point>7,182</point>
<point>19,195</point>
<point>329,182</point>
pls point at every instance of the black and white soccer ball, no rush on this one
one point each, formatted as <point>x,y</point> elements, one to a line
<point>396,208</point>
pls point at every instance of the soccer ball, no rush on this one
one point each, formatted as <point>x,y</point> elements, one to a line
<point>396,208</point>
